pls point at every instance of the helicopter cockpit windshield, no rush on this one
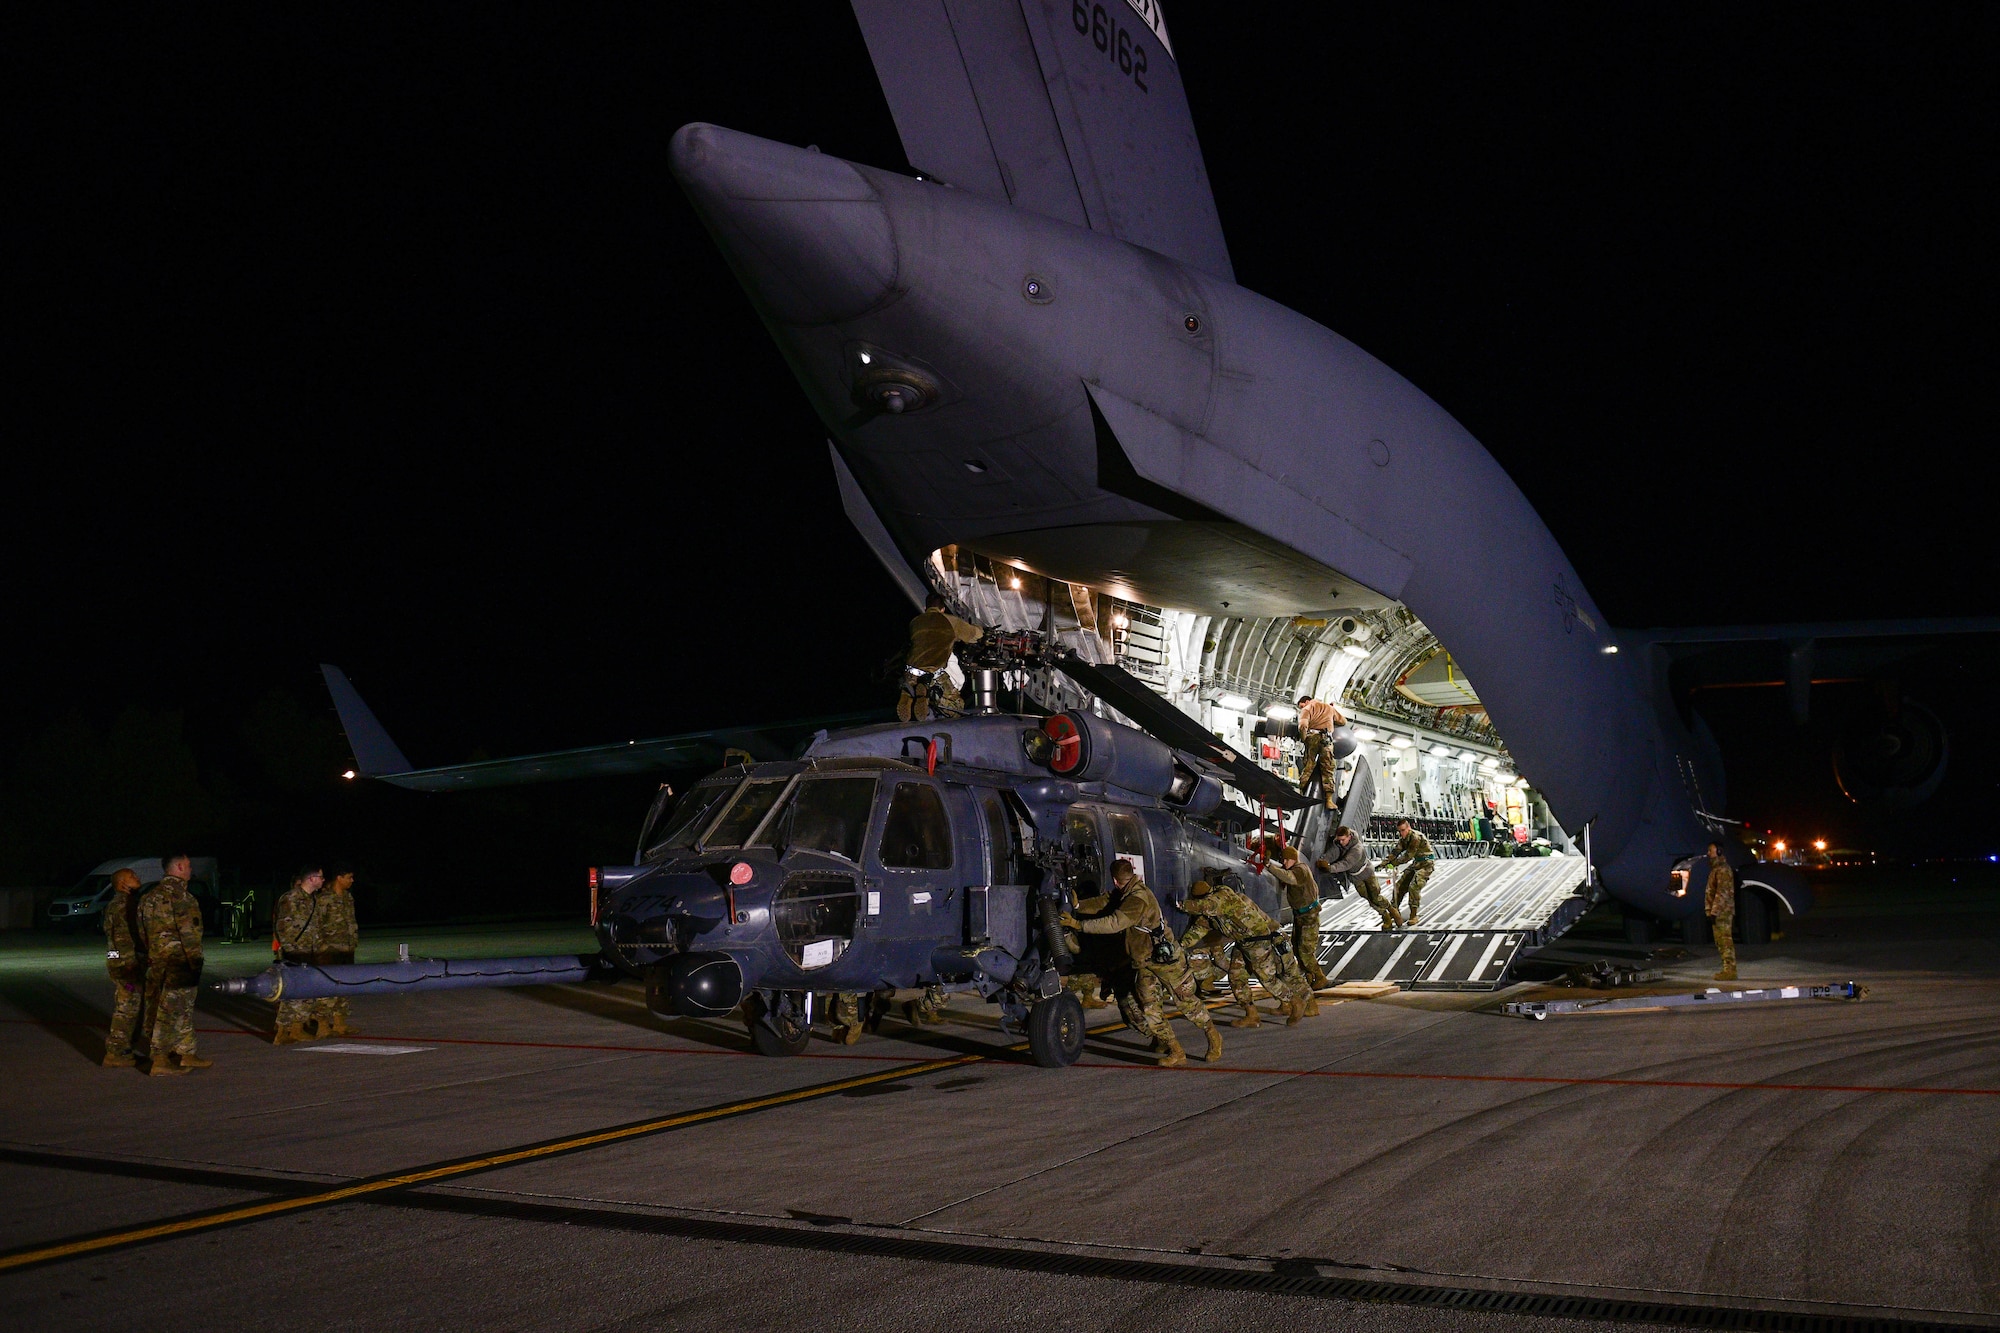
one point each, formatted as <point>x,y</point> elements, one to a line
<point>828,815</point>
<point>679,830</point>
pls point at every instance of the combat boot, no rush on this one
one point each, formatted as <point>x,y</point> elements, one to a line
<point>1214,1051</point>
<point>1175,1056</point>
<point>1312,1005</point>
<point>1726,974</point>
<point>336,1028</point>
<point>288,1033</point>
<point>162,1066</point>
<point>119,1060</point>
<point>1252,1017</point>
<point>848,1033</point>
<point>190,1060</point>
<point>1295,1011</point>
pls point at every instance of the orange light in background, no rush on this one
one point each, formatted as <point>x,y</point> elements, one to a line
<point>349,775</point>
<point>1779,844</point>
<point>1819,844</point>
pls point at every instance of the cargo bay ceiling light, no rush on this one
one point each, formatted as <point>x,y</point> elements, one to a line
<point>1235,703</point>
<point>1366,734</point>
<point>1353,650</point>
<point>1468,754</point>
<point>1281,712</point>
<point>1402,742</point>
<point>1441,751</point>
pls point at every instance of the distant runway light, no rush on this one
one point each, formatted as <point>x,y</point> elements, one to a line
<point>1610,648</point>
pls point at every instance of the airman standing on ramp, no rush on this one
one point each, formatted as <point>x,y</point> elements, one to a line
<point>125,960</point>
<point>170,920</point>
<point>339,937</point>
<point>295,938</point>
<point>1414,849</point>
<point>1720,903</point>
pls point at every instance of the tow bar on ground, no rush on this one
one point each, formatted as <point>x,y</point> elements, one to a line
<point>1540,1009</point>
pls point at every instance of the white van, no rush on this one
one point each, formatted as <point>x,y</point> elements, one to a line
<point>84,905</point>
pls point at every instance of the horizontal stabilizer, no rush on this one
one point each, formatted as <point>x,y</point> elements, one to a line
<point>376,756</point>
<point>1154,715</point>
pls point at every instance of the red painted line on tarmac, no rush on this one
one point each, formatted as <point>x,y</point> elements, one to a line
<point>1553,1080</point>
<point>494,1041</point>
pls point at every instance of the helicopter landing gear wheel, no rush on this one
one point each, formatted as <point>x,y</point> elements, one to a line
<point>1055,1031</point>
<point>777,1030</point>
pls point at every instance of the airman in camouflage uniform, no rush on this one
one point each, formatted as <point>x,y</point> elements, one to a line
<point>296,926</point>
<point>927,1009</point>
<point>339,937</point>
<point>1302,896</point>
<point>845,1011</point>
<point>170,923</point>
<point>1220,914</point>
<point>1351,866</point>
<point>1720,903</point>
<point>1159,969</point>
<point>933,635</point>
<point>125,960</point>
<point>1414,849</point>
<point>1316,723</point>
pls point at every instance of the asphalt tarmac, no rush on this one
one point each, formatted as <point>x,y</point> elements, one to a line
<point>559,1158</point>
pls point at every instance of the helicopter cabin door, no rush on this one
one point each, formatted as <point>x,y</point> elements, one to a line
<point>911,874</point>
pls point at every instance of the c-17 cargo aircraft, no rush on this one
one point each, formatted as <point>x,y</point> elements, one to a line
<point>1049,400</point>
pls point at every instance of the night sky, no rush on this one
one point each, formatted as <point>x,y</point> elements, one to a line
<point>383,337</point>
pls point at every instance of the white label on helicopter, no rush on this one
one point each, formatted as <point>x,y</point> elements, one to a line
<point>1138,863</point>
<point>874,903</point>
<point>817,954</point>
<point>916,898</point>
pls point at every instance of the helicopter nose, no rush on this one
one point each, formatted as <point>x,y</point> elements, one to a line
<point>806,233</point>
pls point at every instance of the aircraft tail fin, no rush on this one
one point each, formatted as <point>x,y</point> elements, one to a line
<point>1071,108</point>
<point>375,755</point>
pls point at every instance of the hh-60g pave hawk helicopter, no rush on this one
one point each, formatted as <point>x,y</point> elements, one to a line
<point>884,857</point>
<point>898,855</point>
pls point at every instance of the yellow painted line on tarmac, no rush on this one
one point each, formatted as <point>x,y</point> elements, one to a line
<point>430,1175</point>
<point>250,1212</point>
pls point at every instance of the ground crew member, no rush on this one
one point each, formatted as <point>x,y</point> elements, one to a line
<point>1721,904</point>
<point>1221,914</point>
<point>932,637</point>
<point>125,960</point>
<point>1302,896</point>
<point>926,1009</point>
<point>1351,866</point>
<point>1413,849</point>
<point>846,1014</point>
<point>295,938</point>
<point>1159,968</point>
<point>170,925</point>
<point>339,937</point>
<point>1316,723</point>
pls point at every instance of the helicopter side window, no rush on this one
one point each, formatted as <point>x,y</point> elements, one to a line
<point>743,816</point>
<point>1080,836</point>
<point>689,817</point>
<point>828,815</point>
<point>916,835</point>
<point>1128,839</point>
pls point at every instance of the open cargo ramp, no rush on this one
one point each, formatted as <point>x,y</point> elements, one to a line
<point>1477,916</point>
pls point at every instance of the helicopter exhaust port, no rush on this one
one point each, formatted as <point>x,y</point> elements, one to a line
<point>695,985</point>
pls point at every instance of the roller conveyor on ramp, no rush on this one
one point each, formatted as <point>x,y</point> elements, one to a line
<point>1477,916</point>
